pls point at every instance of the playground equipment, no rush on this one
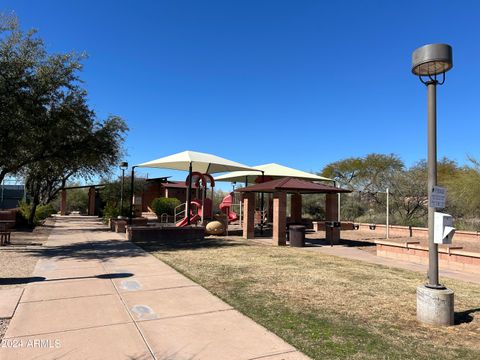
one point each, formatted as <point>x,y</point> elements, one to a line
<point>225,206</point>
<point>194,215</point>
<point>204,207</point>
<point>215,228</point>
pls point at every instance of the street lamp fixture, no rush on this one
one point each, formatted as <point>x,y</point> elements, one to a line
<point>123,166</point>
<point>432,60</point>
<point>434,301</point>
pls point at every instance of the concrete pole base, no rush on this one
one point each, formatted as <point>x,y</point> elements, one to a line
<point>434,306</point>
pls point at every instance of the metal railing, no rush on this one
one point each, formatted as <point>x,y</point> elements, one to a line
<point>164,218</point>
<point>177,212</point>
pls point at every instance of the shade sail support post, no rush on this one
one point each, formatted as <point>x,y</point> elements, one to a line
<point>189,194</point>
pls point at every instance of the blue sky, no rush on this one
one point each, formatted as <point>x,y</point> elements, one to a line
<point>301,83</point>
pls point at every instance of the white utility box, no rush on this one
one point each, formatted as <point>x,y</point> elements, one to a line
<point>443,228</point>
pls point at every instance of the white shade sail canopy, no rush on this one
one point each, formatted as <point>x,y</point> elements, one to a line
<point>271,170</point>
<point>201,162</point>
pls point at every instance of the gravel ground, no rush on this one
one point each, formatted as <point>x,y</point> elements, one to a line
<point>17,260</point>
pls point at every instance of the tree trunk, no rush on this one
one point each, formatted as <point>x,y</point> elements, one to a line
<point>31,218</point>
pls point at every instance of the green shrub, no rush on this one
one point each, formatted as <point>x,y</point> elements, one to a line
<point>110,211</point>
<point>113,211</point>
<point>164,206</point>
<point>42,212</point>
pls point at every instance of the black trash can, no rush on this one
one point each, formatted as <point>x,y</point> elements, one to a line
<point>296,235</point>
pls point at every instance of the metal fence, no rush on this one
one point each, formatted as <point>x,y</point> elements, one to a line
<point>11,192</point>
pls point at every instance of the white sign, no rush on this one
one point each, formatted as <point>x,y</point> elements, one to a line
<point>437,197</point>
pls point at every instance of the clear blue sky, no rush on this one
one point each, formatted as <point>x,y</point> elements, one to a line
<point>301,83</point>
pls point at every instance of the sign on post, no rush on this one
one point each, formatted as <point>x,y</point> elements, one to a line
<point>437,197</point>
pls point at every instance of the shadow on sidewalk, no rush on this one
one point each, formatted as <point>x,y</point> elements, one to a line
<point>347,243</point>
<point>92,250</point>
<point>33,279</point>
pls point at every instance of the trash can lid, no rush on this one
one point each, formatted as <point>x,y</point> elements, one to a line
<point>297,227</point>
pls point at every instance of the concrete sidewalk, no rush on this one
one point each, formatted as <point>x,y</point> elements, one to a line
<point>94,295</point>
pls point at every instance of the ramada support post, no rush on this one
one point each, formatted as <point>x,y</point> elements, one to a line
<point>332,235</point>
<point>249,215</point>
<point>63,203</point>
<point>91,201</point>
<point>279,218</point>
<point>296,208</point>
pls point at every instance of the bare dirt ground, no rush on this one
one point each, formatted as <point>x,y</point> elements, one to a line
<point>17,260</point>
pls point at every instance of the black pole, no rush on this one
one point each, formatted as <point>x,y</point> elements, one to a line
<point>121,192</point>
<point>130,220</point>
<point>189,192</point>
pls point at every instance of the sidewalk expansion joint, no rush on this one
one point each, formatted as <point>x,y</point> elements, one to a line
<point>68,330</point>
<point>186,315</point>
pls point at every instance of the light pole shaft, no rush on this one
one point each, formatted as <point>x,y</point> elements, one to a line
<point>387,220</point>
<point>432,181</point>
<point>121,192</point>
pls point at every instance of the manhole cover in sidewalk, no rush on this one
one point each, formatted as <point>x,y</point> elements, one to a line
<point>130,285</point>
<point>144,312</point>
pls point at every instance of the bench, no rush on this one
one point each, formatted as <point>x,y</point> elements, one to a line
<point>4,234</point>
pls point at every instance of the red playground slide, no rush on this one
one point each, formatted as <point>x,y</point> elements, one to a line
<point>193,217</point>
<point>225,207</point>
<point>184,221</point>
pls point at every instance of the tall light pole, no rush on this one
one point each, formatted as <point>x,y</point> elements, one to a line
<point>387,220</point>
<point>123,166</point>
<point>434,301</point>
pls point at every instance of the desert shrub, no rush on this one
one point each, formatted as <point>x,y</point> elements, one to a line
<point>110,211</point>
<point>42,212</point>
<point>164,206</point>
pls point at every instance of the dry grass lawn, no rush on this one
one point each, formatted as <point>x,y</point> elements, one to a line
<point>326,306</point>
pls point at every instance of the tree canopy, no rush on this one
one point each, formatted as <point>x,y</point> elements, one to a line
<point>371,175</point>
<point>48,132</point>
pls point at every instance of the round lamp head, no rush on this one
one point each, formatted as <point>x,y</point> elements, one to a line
<point>124,165</point>
<point>432,59</point>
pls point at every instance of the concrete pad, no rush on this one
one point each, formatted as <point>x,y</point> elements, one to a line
<point>225,335</point>
<point>43,317</point>
<point>71,274</point>
<point>153,282</point>
<point>131,260</point>
<point>100,343</point>
<point>295,355</point>
<point>172,302</point>
<point>54,264</point>
<point>9,299</point>
<point>147,269</point>
<point>67,289</point>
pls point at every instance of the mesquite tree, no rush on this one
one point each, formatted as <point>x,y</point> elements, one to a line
<point>48,133</point>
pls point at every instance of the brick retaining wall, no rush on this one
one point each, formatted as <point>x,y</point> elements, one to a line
<point>418,232</point>
<point>451,258</point>
<point>165,234</point>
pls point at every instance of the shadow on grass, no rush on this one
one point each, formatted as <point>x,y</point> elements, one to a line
<point>210,243</point>
<point>33,279</point>
<point>464,317</point>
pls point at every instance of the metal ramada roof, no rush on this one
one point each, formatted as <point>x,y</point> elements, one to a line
<point>293,185</point>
